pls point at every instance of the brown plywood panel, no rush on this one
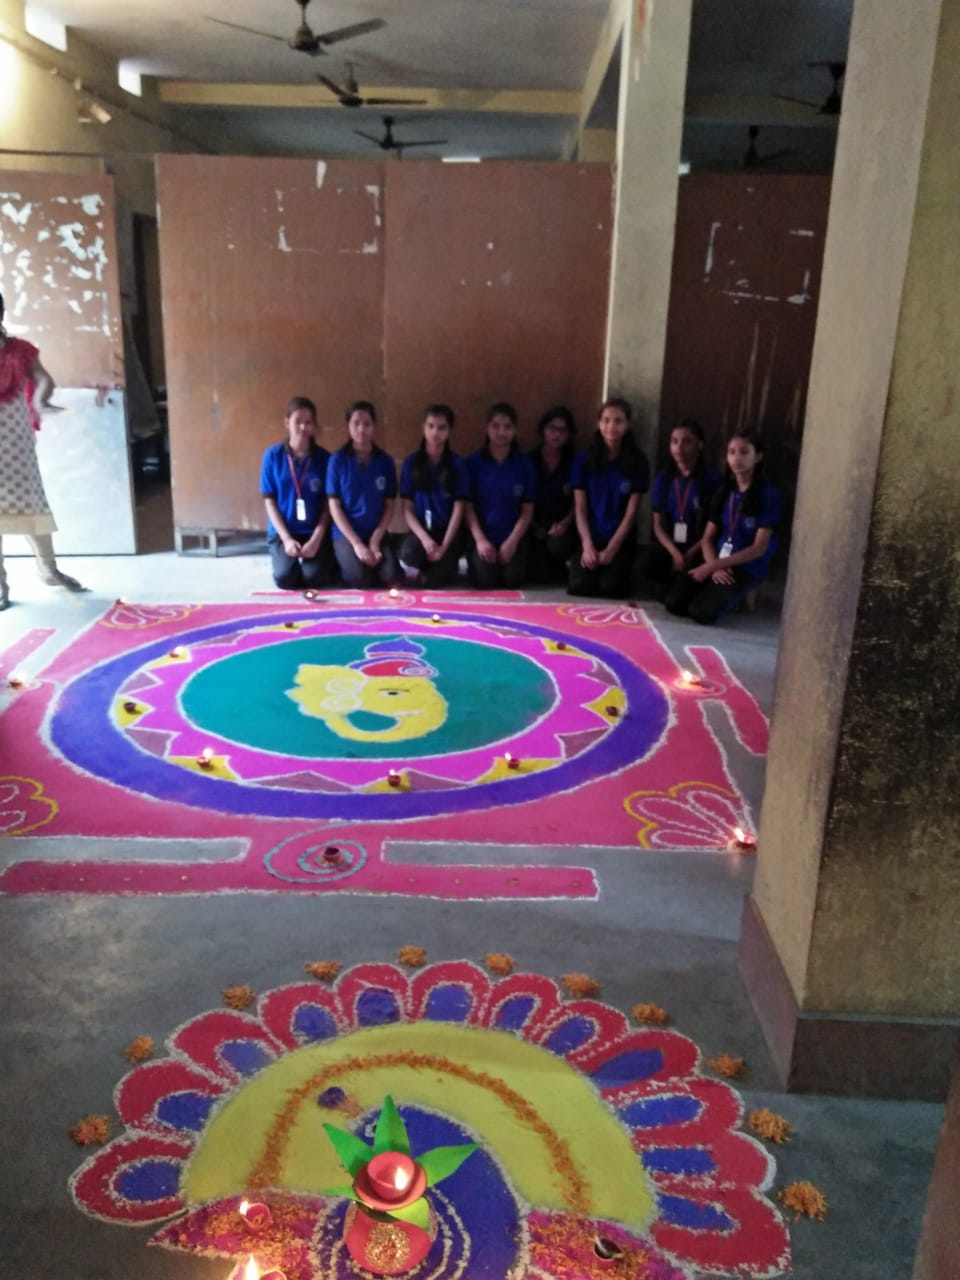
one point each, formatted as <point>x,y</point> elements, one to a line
<point>743,308</point>
<point>59,277</point>
<point>272,281</point>
<point>496,289</point>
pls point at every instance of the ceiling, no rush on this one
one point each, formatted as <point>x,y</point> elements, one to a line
<point>502,78</point>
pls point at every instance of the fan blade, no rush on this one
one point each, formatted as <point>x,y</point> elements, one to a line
<point>251,31</point>
<point>427,142</point>
<point>347,33</point>
<point>334,88</point>
<point>369,137</point>
<point>394,102</point>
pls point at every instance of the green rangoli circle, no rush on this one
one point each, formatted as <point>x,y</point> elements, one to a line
<point>491,693</point>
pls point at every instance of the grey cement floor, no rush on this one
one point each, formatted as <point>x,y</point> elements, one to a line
<point>80,977</point>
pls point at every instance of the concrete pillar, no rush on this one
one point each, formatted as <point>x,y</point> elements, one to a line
<point>850,938</point>
<point>653,73</point>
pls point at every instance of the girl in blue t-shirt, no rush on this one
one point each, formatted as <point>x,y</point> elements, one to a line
<point>679,499</point>
<point>434,488</point>
<point>361,487</point>
<point>608,479</point>
<point>292,483</point>
<point>503,488</point>
<point>553,534</point>
<point>740,537</point>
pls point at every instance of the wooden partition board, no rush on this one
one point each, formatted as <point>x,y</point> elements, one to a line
<point>743,308</point>
<point>272,275</point>
<point>58,273</point>
<point>496,289</point>
<point>401,283</point>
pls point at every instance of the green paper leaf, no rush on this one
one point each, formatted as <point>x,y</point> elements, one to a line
<point>418,1213</point>
<point>391,1132</point>
<point>442,1161</point>
<point>341,1191</point>
<point>353,1151</point>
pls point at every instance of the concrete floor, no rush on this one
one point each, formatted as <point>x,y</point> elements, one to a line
<point>82,976</point>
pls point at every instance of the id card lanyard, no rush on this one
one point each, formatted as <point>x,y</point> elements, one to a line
<point>680,525</point>
<point>297,483</point>
<point>732,522</point>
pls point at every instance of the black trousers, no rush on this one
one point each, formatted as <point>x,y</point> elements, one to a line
<point>357,574</point>
<point>608,580</point>
<point>549,555</point>
<point>707,602</point>
<point>487,577</point>
<point>294,573</point>
<point>434,573</point>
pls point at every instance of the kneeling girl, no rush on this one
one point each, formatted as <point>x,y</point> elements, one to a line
<point>434,488</point>
<point>361,487</point>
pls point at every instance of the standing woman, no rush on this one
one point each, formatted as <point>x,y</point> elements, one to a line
<point>503,488</point>
<point>608,479</point>
<point>25,390</point>
<point>293,487</point>
<point>361,487</point>
<point>740,537</point>
<point>434,488</point>
<point>680,498</point>
<point>553,534</point>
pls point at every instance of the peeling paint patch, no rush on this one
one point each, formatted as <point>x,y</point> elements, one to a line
<point>74,305</point>
<point>91,205</point>
<point>372,246</point>
<point>19,217</point>
<point>321,173</point>
<point>68,233</point>
<point>798,231</point>
<point>282,240</point>
<point>798,299</point>
<point>42,235</point>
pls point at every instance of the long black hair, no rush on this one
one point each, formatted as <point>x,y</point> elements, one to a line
<point>693,426</point>
<point>501,408</point>
<point>563,413</point>
<point>359,406</point>
<point>300,402</point>
<point>752,501</point>
<point>598,457</point>
<point>420,471</point>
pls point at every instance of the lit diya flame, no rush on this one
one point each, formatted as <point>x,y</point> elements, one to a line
<point>394,593</point>
<point>205,758</point>
<point>743,839</point>
<point>435,618</point>
<point>393,778</point>
<point>690,680</point>
<point>255,1214</point>
<point>178,651</point>
<point>512,762</point>
<point>16,680</point>
<point>252,1272</point>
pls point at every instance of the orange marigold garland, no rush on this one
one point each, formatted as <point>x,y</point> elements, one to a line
<point>238,997</point>
<point>500,963</point>
<point>651,1014</point>
<point>724,1064</point>
<point>581,984</point>
<point>91,1131</point>
<point>324,970</point>
<point>805,1200</point>
<point>412,957</point>
<point>767,1124</point>
<point>139,1049</point>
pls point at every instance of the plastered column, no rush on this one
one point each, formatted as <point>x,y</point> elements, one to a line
<point>850,940</point>
<point>653,72</point>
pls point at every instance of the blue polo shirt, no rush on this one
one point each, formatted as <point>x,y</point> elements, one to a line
<point>362,488</point>
<point>280,475</point>
<point>608,491</point>
<point>499,490</point>
<point>738,516</point>
<point>684,499</point>
<point>554,491</point>
<point>433,505</point>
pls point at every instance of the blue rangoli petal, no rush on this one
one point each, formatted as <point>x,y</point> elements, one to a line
<point>245,1056</point>
<point>377,1007</point>
<point>185,1110</point>
<point>149,1180</point>
<point>571,1035</point>
<point>692,1214</point>
<point>679,1160</point>
<point>625,1068</point>
<point>650,1113</point>
<point>514,1012</point>
<point>449,1004</point>
<point>311,1023</point>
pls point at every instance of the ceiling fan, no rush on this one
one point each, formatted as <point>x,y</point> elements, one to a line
<point>754,159</point>
<point>304,40</point>
<point>348,93</point>
<point>389,143</point>
<point>831,104</point>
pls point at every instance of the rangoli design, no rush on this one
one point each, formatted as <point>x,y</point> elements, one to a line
<point>586,1128</point>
